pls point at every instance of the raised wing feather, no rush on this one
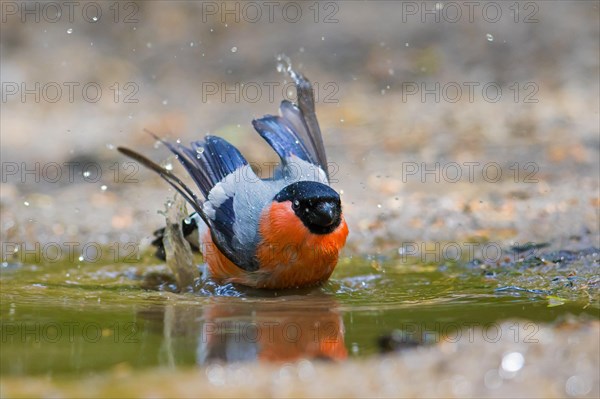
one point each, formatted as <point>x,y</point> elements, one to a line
<point>296,130</point>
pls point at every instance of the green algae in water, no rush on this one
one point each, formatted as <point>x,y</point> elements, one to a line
<point>70,319</point>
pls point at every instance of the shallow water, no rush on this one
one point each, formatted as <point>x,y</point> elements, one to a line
<point>72,320</point>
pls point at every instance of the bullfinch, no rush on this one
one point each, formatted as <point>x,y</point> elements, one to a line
<point>282,232</point>
<point>300,328</point>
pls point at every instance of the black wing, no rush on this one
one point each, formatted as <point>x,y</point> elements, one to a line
<point>296,131</point>
<point>220,223</point>
<point>207,161</point>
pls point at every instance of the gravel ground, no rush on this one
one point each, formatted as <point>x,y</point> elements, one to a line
<point>381,130</point>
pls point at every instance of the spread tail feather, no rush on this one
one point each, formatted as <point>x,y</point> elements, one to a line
<point>218,236</point>
<point>169,177</point>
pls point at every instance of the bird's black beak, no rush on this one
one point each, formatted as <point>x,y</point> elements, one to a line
<point>325,214</point>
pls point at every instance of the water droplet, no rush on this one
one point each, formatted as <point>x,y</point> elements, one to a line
<point>322,38</point>
<point>379,206</point>
<point>578,385</point>
<point>406,44</point>
<point>234,49</point>
<point>87,173</point>
<point>216,375</point>
<point>103,187</point>
<point>110,146</point>
<point>284,64</point>
<point>26,203</point>
<point>513,362</point>
<point>301,49</point>
<point>81,258</point>
<point>165,102</point>
<point>489,37</point>
<point>391,72</point>
<point>199,152</point>
<point>149,45</point>
<point>191,44</point>
<point>178,141</point>
<point>95,19</point>
<point>157,144</point>
<point>69,31</point>
<point>169,166</point>
<point>492,379</point>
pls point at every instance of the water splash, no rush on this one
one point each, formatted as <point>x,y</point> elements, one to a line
<point>178,251</point>
<point>284,65</point>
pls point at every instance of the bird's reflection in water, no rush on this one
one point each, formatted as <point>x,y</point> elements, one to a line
<point>226,329</point>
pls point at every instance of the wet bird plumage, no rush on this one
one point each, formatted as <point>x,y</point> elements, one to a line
<point>268,233</point>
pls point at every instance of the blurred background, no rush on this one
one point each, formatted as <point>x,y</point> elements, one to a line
<point>444,120</point>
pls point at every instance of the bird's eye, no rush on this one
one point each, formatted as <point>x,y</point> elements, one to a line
<point>295,204</point>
